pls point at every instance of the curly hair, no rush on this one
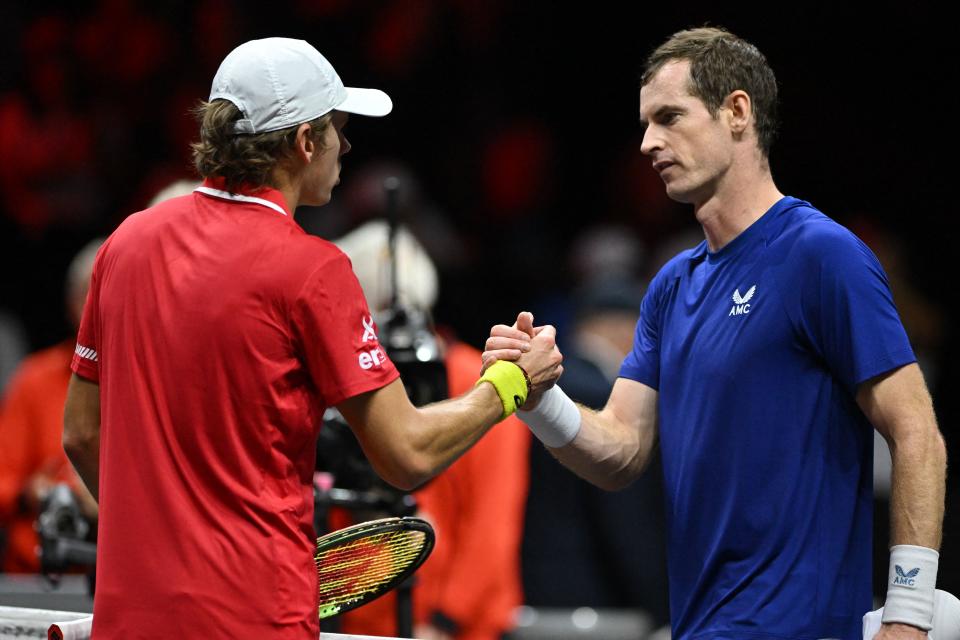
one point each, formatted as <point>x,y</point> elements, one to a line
<point>721,63</point>
<point>243,158</point>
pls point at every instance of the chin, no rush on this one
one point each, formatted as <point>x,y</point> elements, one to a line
<point>679,195</point>
<point>317,201</point>
<point>686,192</point>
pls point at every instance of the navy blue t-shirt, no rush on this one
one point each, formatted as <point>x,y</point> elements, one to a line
<point>756,351</point>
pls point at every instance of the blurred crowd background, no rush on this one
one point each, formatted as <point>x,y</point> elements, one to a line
<point>514,135</point>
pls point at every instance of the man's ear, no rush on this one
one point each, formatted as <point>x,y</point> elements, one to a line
<point>738,108</point>
<point>305,148</point>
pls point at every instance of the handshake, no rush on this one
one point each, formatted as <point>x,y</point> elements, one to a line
<point>552,417</point>
<point>533,349</point>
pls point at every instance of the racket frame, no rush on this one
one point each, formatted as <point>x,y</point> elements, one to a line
<point>371,528</point>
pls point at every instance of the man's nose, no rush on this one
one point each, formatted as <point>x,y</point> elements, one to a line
<point>651,141</point>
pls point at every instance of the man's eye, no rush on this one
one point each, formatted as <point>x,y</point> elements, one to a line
<point>671,117</point>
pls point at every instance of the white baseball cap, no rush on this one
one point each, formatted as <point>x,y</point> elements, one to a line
<point>281,82</point>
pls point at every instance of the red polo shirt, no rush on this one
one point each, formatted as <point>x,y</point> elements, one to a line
<point>219,331</point>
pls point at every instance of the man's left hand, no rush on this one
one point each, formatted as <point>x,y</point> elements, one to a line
<point>897,631</point>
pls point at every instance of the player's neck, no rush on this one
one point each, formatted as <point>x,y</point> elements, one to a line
<point>736,204</point>
<point>288,185</point>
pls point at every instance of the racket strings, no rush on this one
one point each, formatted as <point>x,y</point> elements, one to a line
<point>348,572</point>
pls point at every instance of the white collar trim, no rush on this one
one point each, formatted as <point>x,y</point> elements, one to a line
<point>217,193</point>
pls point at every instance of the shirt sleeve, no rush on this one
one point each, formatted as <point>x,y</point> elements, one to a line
<point>334,328</point>
<point>86,356</point>
<point>848,313</point>
<point>643,362</point>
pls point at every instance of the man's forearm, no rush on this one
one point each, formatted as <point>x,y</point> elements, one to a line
<point>81,431</point>
<point>86,460</point>
<point>918,487</point>
<point>916,520</point>
<point>899,406</point>
<point>450,427</point>
<point>408,446</point>
<point>606,452</point>
<point>612,446</point>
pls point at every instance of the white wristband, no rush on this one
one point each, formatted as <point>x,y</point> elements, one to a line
<point>910,586</point>
<point>555,421</point>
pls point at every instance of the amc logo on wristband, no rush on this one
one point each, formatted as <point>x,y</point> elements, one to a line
<point>906,579</point>
<point>370,359</point>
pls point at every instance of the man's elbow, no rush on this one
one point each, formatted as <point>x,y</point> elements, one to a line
<point>81,418</point>
<point>628,470</point>
<point>406,471</point>
<point>610,477</point>
<point>406,483</point>
<point>77,441</point>
<point>619,480</point>
<point>922,441</point>
<point>611,483</point>
<point>939,448</point>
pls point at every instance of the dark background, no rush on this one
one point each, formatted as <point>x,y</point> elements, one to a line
<point>519,120</point>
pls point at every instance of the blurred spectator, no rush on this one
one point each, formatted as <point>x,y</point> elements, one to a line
<point>601,254</point>
<point>174,190</point>
<point>13,341</point>
<point>607,252</point>
<point>612,552</point>
<point>470,586</point>
<point>361,199</point>
<point>671,246</point>
<point>31,423</point>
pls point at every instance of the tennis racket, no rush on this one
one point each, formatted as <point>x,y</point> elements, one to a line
<point>362,562</point>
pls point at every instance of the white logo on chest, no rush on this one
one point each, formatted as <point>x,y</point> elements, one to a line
<point>741,304</point>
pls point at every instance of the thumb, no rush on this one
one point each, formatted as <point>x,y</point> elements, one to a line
<point>547,331</point>
<point>525,322</point>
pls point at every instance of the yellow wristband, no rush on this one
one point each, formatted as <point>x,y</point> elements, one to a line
<point>510,381</point>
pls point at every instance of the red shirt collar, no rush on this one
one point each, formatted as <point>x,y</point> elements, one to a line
<point>216,187</point>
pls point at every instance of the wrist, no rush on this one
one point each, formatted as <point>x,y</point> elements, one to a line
<point>911,583</point>
<point>510,382</point>
<point>555,420</point>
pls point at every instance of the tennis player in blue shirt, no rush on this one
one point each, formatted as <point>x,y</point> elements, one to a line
<point>763,360</point>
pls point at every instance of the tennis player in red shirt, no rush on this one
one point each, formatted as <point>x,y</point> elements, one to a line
<point>215,334</point>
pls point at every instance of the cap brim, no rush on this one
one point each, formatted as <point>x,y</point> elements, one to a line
<point>366,102</point>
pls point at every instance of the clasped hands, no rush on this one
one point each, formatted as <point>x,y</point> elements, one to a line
<point>533,348</point>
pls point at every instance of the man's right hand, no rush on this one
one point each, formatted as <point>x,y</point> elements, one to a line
<point>509,343</point>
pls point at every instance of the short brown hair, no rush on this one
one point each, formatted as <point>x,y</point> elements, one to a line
<point>721,63</point>
<point>242,158</point>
